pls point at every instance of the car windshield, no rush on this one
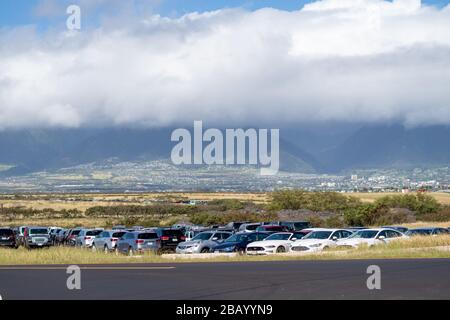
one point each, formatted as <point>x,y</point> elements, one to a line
<point>5,232</point>
<point>318,235</point>
<point>39,231</point>
<point>203,236</point>
<point>364,234</point>
<point>75,232</point>
<point>279,236</point>
<point>420,232</point>
<point>118,234</point>
<point>252,227</point>
<point>237,238</point>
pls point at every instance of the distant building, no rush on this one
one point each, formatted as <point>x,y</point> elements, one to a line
<point>354,177</point>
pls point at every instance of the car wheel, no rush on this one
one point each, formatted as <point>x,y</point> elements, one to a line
<point>281,249</point>
<point>130,251</point>
<point>204,250</point>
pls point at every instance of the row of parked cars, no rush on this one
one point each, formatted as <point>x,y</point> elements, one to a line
<point>241,237</point>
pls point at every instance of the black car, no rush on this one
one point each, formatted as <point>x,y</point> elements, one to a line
<point>426,231</point>
<point>8,238</point>
<point>170,238</point>
<point>294,225</point>
<point>398,228</point>
<point>239,241</point>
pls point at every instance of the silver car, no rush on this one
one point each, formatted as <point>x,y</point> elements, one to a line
<point>36,237</point>
<point>107,240</point>
<point>203,242</point>
<point>138,241</point>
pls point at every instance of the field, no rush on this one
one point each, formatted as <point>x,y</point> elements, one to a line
<point>85,201</point>
<point>441,197</point>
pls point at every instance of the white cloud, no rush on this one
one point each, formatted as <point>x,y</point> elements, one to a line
<point>352,60</point>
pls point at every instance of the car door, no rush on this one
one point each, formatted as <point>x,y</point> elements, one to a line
<point>382,237</point>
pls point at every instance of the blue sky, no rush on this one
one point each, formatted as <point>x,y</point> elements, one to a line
<point>21,12</point>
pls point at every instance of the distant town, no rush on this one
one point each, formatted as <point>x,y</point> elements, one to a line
<point>162,175</point>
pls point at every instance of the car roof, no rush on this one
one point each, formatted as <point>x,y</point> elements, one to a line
<point>425,228</point>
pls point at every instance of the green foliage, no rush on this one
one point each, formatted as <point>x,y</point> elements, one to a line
<point>133,210</point>
<point>441,215</point>
<point>419,203</point>
<point>314,201</point>
<point>226,204</point>
<point>373,215</point>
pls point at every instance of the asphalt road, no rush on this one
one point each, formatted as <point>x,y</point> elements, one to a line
<point>400,279</point>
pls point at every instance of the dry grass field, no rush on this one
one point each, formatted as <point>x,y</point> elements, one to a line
<point>442,197</point>
<point>85,201</point>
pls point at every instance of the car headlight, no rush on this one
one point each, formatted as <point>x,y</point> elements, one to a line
<point>315,245</point>
<point>270,247</point>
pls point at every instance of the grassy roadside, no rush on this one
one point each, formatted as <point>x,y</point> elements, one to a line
<point>419,247</point>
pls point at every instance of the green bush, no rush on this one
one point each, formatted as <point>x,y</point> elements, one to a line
<point>314,201</point>
<point>419,203</point>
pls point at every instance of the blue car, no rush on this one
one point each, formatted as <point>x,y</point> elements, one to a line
<point>239,241</point>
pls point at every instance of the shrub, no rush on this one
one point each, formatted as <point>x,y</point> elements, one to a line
<point>314,201</point>
<point>419,203</point>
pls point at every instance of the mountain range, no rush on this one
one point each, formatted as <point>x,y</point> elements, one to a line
<point>308,149</point>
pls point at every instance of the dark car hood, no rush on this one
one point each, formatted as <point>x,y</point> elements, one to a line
<point>229,244</point>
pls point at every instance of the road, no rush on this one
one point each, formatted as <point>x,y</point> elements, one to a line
<point>400,279</point>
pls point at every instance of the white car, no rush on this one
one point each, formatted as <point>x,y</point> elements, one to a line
<point>319,239</point>
<point>370,237</point>
<point>275,243</point>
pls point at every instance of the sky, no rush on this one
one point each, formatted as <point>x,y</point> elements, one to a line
<point>160,62</point>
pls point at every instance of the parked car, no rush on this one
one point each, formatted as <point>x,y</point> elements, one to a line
<point>238,242</point>
<point>71,236</point>
<point>137,242</point>
<point>235,225</point>
<point>86,237</point>
<point>8,238</point>
<point>320,239</point>
<point>36,237</point>
<point>272,228</point>
<point>275,243</point>
<point>203,242</point>
<point>107,240</point>
<point>20,236</point>
<point>53,233</point>
<point>249,227</point>
<point>398,228</point>
<point>295,225</point>
<point>426,231</point>
<point>190,234</point>
<point>170,238</point>
<point>370,237</point>
<point>61,236</point>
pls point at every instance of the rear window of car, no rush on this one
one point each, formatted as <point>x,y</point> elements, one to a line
<point>93,232</point>
<point>147,235</point>
<point>252,227</point>
<point>6,232</point>
<point>176,233</point>
<point>118,234</point>
<point>76,232</point>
